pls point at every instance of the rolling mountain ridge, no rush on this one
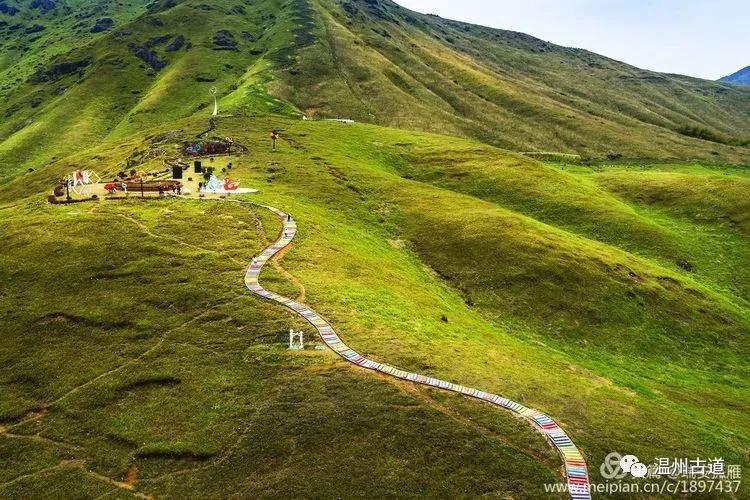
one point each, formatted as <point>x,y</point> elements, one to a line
<point>98,70</point>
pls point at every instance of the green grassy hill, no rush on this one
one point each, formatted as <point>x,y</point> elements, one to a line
<point>560,286</point>
<point>615,297</point>
<point>378,62</point>
<point>81,72</point>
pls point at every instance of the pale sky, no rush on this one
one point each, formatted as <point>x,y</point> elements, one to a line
<point>707,39</point>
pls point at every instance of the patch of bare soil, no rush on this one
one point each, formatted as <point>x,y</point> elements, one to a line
<point>131,477</point>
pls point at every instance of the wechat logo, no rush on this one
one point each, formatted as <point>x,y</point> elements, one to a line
<point>617,466</point>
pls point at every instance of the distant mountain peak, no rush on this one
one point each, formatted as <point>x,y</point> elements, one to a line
<point>742,77</point>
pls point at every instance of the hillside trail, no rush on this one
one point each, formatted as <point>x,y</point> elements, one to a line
<point>275,261</point>
<point>80,465</point>
<point>575,469</point>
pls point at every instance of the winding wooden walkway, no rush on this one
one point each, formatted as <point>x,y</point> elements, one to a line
<point>576,472</point>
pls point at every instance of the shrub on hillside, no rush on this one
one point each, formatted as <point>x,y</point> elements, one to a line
<point>60,70</point>
<point>350,8</point>
<point>34,29</point>
<point>224,40</point>
<point>701,133</point>
<point>103,24</point>
<point>205,77</point>
<point>684,264</point>
<point>176,44</point>
<point>44,5</point>
<point>160,5</point>
<point>148,56</point>
<point>8,9</point>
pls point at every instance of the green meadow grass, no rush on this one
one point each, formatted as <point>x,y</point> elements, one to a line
<point>190,381</point>
<point>612,295</point>
<point>545,283</point>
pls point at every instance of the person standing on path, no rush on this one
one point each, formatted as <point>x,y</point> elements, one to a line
<point>274,138</point>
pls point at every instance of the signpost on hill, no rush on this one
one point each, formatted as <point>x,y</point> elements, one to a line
<point>296,340</point>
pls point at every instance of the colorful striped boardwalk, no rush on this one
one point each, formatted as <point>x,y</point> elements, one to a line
<point>576,472</point>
